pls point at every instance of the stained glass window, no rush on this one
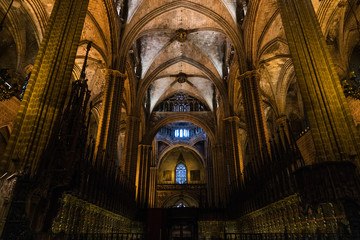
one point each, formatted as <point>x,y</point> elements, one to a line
<point>186,133</point>
<point>180,174</point>
<point>182,133</point>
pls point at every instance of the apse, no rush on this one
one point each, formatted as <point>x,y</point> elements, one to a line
<point>181,169</point>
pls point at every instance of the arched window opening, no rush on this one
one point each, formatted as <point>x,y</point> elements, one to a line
<point>181,102</point>
<point>181,133</point>
<point>181,205</point>
<point>180,174</point>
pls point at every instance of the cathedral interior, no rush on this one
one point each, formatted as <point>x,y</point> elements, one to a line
<point>179,119</point>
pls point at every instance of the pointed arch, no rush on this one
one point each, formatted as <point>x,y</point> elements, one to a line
<point>233,33</point>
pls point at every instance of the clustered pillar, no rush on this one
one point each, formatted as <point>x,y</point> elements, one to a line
<point>131,146</point>
<point>45,95</point>
<point>233,149</point>
<point>333,130</point>
<point>142,174</point>
<point>254,113</point>
<point>108,130</point>
<point>335,137</point>
<point>48,86</point>
<point>220,183</point>
<point>152,182</point>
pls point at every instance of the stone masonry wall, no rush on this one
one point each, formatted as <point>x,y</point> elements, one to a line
<point>8,111</point>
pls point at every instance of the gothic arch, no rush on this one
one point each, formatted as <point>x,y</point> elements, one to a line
<point>259,50</point>
<point>197,120</point>
<point>192,201</point>
<point>234,34</point>
<point>144,85</point>
<point>286,78</point>
<point>172,147</point>
<point>95,47</point>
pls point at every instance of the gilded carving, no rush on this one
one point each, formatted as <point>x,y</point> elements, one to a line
<point>181,35</point>
<point>78,216</point>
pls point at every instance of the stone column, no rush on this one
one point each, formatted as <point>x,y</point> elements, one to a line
<point>221,183</point>
<point>131,144</point>
<point>48,86</point>
<point>152,183</point>
<point>282,122</point>
<point>209,173</point>
<point>332,127</point>
<point>254,112</point>
<point>112,144</point>
<point>283,128</point>
<point>233,149</point>
<point>108,129</point>
<point>142,174</point>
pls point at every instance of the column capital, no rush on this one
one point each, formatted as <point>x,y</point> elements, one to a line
<point>145,145</point>
<point>232,119</point>
<point>115,73</point>
<point>119,74</point>
<point>281,120</point>
<point>250,74</point>
<point>132,118</point>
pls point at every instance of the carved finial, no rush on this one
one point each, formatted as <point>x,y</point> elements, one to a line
<point>83,74</point>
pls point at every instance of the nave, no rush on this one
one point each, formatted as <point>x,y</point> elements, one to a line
<point>179,119</point>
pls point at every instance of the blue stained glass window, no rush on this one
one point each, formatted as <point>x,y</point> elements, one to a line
<point>181,174</point>
<point>182,133</point>
<point>186,133</point>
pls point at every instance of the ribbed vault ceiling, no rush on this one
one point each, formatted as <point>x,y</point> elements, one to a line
<point>187,42</point>
<point>211,36</point>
